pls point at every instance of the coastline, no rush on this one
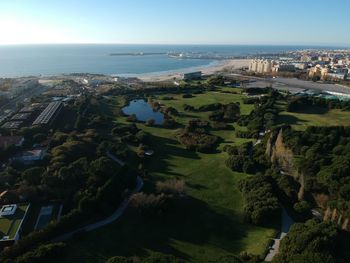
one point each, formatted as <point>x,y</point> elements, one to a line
<point>212,68</point>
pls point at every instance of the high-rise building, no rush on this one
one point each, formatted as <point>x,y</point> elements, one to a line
<point>261,65</point>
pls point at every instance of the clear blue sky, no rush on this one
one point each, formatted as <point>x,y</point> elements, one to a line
<point>316,22</point>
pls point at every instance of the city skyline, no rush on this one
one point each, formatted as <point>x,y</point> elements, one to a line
<point>179,22</point>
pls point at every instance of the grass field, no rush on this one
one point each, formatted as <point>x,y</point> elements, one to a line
<point>9,224</point>
<point>208,226</point>
<point>315,116</point>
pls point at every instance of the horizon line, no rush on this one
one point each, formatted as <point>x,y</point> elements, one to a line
<point>185,44</point>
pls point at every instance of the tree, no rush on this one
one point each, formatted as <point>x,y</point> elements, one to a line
<point>303,208</point>
<point>33,175</point>
<point>311,242</point>
<point>42,254</point>
<point>119,259</point>
<point>150,122</point>
<point>161,258</point>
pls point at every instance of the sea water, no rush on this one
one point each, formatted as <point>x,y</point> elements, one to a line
<point>46,60</point>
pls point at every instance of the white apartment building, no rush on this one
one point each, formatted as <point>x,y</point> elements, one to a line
<point>261,65</point>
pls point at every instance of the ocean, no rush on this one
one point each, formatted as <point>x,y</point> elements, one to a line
<point>46,60</point>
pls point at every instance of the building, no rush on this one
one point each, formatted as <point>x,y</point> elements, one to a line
<point>305,58</point>
<point>8,210</point>
<point>336,76</point>
<point>300,66</point>
<point>12,218</point>
<point>192,75</point>
<point>261,66</point>
<point>12,125</point>
<point>318,72</point>
<point>49,114</point>
<point>283,67</point>
<point>6,141</point>
<point>22,116</point>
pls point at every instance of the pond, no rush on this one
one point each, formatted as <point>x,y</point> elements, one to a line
<point>143,111</point>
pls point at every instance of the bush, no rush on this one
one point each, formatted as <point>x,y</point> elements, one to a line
<point>150,204</point>
<point>210,107</point>
<point>167,98</point>
<point>310,242</point>
<point>221,126</point>
<point>172,187</point>
<point>303,208</point>
<point>169,122</point>
<point>131,118</point>
<point>161,258</point>
<point>188,107</point>
<point>150,122</point>
<point>201,142</point>
<point>42,254</point>
<point>118,259</point>
<point>261,204</point>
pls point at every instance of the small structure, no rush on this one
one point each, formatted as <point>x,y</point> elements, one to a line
<point>149,152</point>
<point>192,75</point>
<point>8,210</point>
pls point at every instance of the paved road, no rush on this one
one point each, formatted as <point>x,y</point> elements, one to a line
<point>296,85</point>
<point>287,222</point>
<point>117,214</point>
<point>114,158</point>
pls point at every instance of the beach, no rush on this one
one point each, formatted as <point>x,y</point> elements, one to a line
<point>226,65</point>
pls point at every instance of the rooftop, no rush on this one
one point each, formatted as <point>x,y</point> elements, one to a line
<point>48,113</point>
<point>12,124</point>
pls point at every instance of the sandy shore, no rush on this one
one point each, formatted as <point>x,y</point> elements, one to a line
<point>206,70</point>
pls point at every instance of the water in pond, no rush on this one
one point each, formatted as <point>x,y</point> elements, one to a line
<point>143,111</point>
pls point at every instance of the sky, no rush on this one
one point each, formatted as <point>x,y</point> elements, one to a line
<point>280,22</point>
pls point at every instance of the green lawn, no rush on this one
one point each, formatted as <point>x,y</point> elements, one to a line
<point>210,224</point>
<point>315,116</point>
<point>207,98</point>
<point>9,224</point>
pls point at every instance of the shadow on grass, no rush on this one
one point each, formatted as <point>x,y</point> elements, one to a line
<point>165,149</point>
<point>186,115</point>
<point>191,222</point>
<point>309,109</point>
<point>289,119</point>
<point>196,186</point>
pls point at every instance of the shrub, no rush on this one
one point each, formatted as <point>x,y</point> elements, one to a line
<point>131,118</point>
<point>150,122</point>
<point>118,259</point>
<point>188,107</point>
<point>310,242</point>
<point>261,203</point>
<point>43,253</point>
<point>150,204</point>
<point>303,209</point>
<point>220,125</point>
<point>173,187</point>
<point>169,122</point>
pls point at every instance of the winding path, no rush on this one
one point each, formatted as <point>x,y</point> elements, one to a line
<point>287,222</point>
<point>117,214</point>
